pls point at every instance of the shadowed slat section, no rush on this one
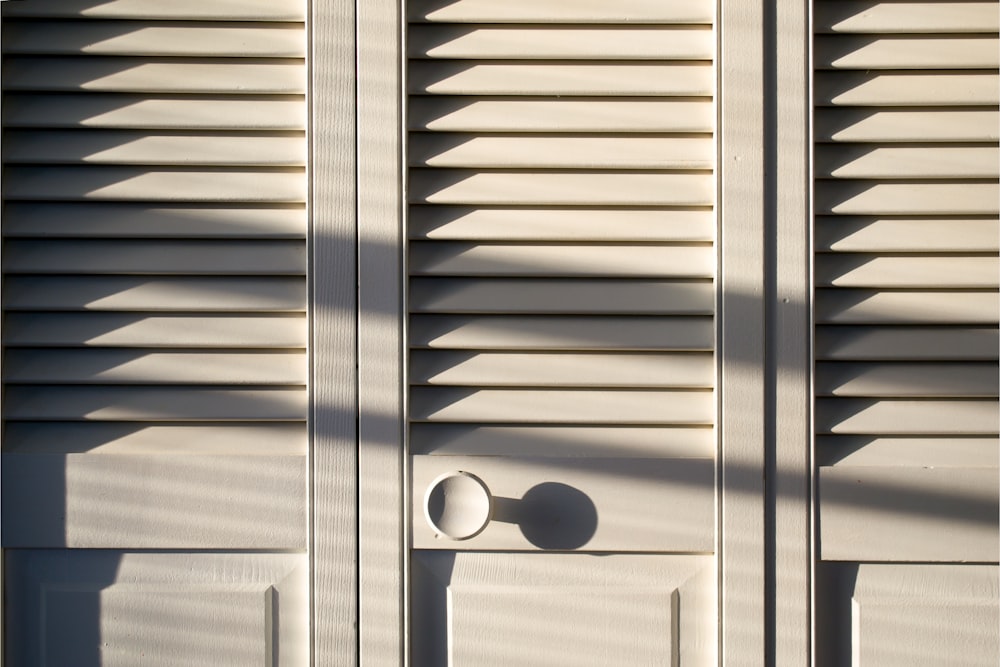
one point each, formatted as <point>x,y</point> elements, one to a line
<point>906,311</point>
<point>245,10</point>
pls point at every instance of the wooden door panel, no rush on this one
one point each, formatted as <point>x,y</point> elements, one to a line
<point>485,609</point>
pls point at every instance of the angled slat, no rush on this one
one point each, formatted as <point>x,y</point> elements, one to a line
<point>560,224</point>
<point>156,257</point>
<point>461,114</point>
<point>578,296</point>
<point>560,152</point>
<point>926,52</point>
<point>859,306</point>
<point>921,379</point>
<point>896,162</point>
<point>128,293</point>
<point>907,417</point>
<point>905,17</point>
<point>97,438</point>
<point>938,452</point>
<point>562,441</point>
<point>940,88</point>
<point>491,369</point>
<point>558,78</point>
<point>561,11</point>
<point>870,270</point>
<point>891,234</point>
<point>145,148</point>
<point>118,111</point>
<point>154,75</point>
<point>153,368</point>
<point>278,185</point>
<point>133,38</point>
<point>245,10</point>
<point>581,406</point>
<point>560,42</point>
<point>893,125</point>
<point>559,188</point>
<point>929,198</point>
<point>145,330</point>
<point>446,259</point>
<point>147,404</point>
<point>911,343</point>
<point>127,220</point>
<point>498,332</point>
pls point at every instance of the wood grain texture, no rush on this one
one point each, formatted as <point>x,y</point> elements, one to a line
<point>741,344</point>
<point>333,273</point>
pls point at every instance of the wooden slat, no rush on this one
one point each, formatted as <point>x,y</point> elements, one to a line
<point>895,162</point>
<point>127,220</point>
<point>555,188</point>
<point>560,224</point>
<point>563,42</point>
<point>279,185</point>
<point>560,152</point>
<point>444,259</point>
<point>133,38</point>
<point>953,234</point>
<point>907,343</point>
<point>930,52</point>
<point>245,10</point>
<point>159,257</point>
<point>871,270</point>
<point>858,306</point>
<point>556,78</point>
<point>578,296</point>
<point>561,11</point>
<point>97,438</point>
<point>562,441</point>
<point>120,111</point>
<point>887,126</point>
<point>153,368</point>
<point>921,379</point>
<point>552,406</point>
<point>905,17</point>
<point>907,417</point>
<point>908,514</point>
<point>460,114</point>
<point>939,452</point>
<point>145,148</point>
<point>127,293</point>
<point>933,198</point>
<point>154,404</point>
<point>151,75</point>
<point>907,89</point>
<point>498,332</point>
<point>491,369</point>
<point>144,330</point>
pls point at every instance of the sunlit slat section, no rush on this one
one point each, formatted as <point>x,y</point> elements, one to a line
<point>907,234</point>
<point>923,379</point>
<point>561,11</point>
<point>894,271</point>
<point>862,53</point>
<point>854,17</point>
<point>943,343</point>
<point>900,125</point>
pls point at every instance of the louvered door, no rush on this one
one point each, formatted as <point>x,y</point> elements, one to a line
<point>906,271</point>
<point>154,455</point>
<point>561,297</point>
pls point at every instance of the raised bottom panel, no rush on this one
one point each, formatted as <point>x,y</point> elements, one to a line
<point>484,609</point>
<point>901,615</point>
<point>88,608</point>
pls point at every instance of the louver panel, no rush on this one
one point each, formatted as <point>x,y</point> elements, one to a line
<point>154,264</point>
<point>906,270</point>
<point>561,187</point>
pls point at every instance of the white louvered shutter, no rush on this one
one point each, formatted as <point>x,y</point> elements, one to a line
<point>561,297</point>
<point>154,331</point>
<point>906,304</point>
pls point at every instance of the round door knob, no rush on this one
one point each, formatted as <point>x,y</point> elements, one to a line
<point>458,505</point>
